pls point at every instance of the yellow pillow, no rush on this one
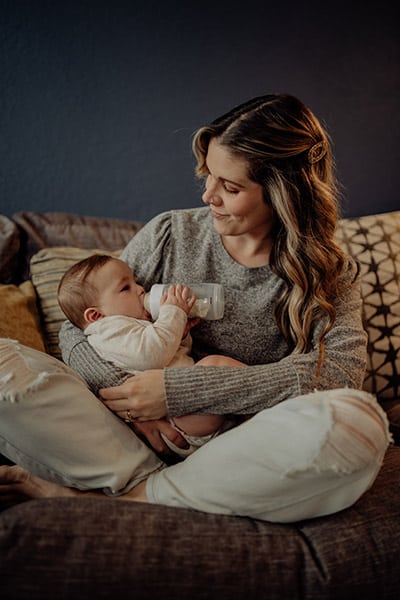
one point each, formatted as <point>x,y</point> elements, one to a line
<point>19,315</point>
<point>47,267</point>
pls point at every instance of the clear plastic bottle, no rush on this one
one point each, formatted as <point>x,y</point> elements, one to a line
<point>209,300</point>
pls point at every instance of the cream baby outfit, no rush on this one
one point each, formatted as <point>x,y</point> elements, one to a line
<point>137,345</point>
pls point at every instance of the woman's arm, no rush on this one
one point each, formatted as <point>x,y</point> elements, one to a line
<point>227,390</point>
<point>78,354</point>
<point>251,389</point>
<point>158,252</point>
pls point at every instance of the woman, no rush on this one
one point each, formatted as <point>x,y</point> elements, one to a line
<point>293,314</point>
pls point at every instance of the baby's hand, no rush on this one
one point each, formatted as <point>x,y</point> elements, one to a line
<point>179,295</point>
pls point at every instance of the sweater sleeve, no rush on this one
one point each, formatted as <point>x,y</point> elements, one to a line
<point>247,390</point>
<point>78,354</point>
<point>146,251</point>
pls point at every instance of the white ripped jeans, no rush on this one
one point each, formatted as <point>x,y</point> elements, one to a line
<point>306,457</point>
<point>309,456</point>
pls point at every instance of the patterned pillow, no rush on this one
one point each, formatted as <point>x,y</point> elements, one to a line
<point>47,267</point>
<point>375,242</point>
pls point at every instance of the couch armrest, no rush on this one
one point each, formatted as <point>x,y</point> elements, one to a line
<point>9,250</point>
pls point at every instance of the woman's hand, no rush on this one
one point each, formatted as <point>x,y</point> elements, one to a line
<point>142,395</point>
<point>152,431</point>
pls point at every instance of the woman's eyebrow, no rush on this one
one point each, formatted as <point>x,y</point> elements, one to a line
<point>225,179</point>
<point>232,182</point>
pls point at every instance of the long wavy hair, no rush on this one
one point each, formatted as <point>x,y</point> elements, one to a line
<point>289,154</point>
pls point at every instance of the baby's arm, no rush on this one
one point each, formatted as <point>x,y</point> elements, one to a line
<point>136,345</point>
<point>167,337</point>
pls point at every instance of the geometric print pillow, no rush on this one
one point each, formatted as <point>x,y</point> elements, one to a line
<point>374,241</point>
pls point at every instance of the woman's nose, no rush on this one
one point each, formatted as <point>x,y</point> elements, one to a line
<point>210,195</point>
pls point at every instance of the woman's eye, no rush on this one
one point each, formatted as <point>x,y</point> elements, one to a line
<point>230,190</point>
<point>125,288</point>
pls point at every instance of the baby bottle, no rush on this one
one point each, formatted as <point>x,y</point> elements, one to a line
<point>209,300</point>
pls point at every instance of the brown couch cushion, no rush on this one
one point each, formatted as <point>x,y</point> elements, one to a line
<point>102,548</point>
<point>40,230</point>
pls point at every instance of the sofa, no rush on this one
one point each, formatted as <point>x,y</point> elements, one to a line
<point>83,548</point>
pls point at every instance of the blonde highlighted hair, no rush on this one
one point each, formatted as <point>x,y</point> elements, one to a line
<point>289,154</point>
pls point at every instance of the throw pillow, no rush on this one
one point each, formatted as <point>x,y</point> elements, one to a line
<point>47,267</point>
<point>374,241</point>
<point>19,315</point>
<point>52,425</point>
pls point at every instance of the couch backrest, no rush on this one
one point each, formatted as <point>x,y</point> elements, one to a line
<point>27,232</point>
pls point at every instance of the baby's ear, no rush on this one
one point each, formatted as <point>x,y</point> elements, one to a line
<point>91,315</point>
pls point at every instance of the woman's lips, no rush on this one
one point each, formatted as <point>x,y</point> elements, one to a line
<point>216,215</point>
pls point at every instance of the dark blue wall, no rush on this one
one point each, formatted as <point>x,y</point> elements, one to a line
<point>99,99</point>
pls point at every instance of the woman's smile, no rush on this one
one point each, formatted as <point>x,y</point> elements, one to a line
<point>217,215</point>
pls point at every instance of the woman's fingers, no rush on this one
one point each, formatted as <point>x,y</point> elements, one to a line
<point>143,395</point>
<point>152,431</point>
<point>118,392</point>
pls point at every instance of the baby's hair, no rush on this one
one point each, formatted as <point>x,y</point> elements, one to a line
<point>75,292</point>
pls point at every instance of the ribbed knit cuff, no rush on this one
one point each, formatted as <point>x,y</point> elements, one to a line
<point>228,390</point>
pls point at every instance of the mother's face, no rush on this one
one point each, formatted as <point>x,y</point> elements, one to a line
<point>236,202</point>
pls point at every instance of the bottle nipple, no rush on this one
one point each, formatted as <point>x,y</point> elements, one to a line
<point>146,302</point>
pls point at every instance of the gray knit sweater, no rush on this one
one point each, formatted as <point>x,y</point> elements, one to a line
<point>183,246</point>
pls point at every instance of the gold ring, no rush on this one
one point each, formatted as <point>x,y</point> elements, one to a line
<point>129,418</point>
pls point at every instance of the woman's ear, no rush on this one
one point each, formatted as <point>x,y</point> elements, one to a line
<point>91,314</point>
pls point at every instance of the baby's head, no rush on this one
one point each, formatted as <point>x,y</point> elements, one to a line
<point>100,286</point>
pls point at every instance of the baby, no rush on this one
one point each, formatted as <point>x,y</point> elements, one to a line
<point>100,296</point>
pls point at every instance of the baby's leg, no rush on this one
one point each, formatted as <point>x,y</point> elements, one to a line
<point>199,425</point>
<point>216,360</point>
